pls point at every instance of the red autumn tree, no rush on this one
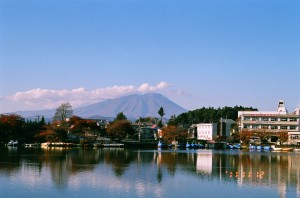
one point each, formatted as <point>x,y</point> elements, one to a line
<point>170,133</point>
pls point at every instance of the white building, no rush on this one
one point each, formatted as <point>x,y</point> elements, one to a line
<point>210,131</point>
<point>206,131</point>
<point>272,122</point>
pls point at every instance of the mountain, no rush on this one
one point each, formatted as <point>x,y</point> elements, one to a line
<point>133,107</point>
<point>33,115</point>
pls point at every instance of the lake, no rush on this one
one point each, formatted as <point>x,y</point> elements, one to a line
<point>119,172</point>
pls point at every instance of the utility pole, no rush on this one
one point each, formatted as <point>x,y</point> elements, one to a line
<point>38,118</point>
<point>139,128</point>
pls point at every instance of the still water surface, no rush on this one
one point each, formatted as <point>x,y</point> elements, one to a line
<point>27,172</point>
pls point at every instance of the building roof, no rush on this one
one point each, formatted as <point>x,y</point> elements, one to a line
<point>281,110</point>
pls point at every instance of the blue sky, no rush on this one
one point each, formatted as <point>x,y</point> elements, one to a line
<point>197,53</point>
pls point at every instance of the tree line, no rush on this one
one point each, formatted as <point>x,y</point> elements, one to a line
<point>67,127</point>
<point>208,115</point>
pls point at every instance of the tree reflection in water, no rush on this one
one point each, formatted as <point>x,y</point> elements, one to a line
<point>280,170</point>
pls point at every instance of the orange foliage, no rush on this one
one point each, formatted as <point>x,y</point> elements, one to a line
<point>170,133</point>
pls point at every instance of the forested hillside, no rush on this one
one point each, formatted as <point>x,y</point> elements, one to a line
<point>209,115</point>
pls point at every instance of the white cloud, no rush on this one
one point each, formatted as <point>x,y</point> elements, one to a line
<point>147,88</point>
<point>47,98</point>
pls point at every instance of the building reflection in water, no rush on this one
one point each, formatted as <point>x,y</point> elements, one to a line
<point>257,168</point>
<point>204,162</point>
<point>277,170</point>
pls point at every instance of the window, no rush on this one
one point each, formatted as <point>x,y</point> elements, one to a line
<point>293,119</point>
<point>265,126</point>
<point>274,127</point>
<point>273,119</point>
<point>265,119</point>
<point>255,127</point>
<point>254,119</point>
<point>283,119</point>
<point>292,127</point>
<point>246,126</point>
<point>283,127</point>
<point>246,118</point>
<point>295,137</point>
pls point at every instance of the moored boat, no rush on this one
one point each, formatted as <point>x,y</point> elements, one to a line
<point>287,149</point>
<point>162,145</point>
<point>267,148</point>
<point>188,145</point>
<point>275,148</point>
<point>13,143</point>
<point>113,145</point>
<point>297,149</point>
<point>258,147</point>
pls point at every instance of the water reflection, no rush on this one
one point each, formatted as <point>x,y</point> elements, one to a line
<point>146,171</point>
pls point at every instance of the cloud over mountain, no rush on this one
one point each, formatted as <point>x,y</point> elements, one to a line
<point>133,106</point>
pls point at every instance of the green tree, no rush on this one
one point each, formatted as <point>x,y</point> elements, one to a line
<point>172,120</point>
<point>152,120</point>
<point>210,114</point>
<point>161,113</point>
<point>61,134</point>
<point>43,121</point>
<point>120,116</point>
<point>62,112</point>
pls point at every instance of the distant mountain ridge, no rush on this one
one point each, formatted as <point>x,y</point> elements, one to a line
<point>133,107</point>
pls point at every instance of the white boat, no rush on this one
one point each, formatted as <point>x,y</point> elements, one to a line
<point>287,149</point>
<point>273,148</point>
<point>297,149</point>
<point>12,143</point>
<point>113,145</point>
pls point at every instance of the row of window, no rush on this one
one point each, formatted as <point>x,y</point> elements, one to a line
<point>269,127</point>
<point>204,132</point>
<point>270,119</point>
<point>295,137</point>
<point>203,137</point>
<point>205,126</point>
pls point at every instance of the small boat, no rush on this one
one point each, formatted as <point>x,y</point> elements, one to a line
<point>113,145</point>
<point>287,149</point>
<point>12,143</point>
<point>252,147</point>
<point>188,145</point>
<point>267,148</point>
<point>297,149</point>
<point>273,148</point>
<point>180,145</point>
<point>258,148</point>
<point>276,149</point>
<point>162,145</point>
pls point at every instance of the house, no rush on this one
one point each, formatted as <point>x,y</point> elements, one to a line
<point>149,132</point>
